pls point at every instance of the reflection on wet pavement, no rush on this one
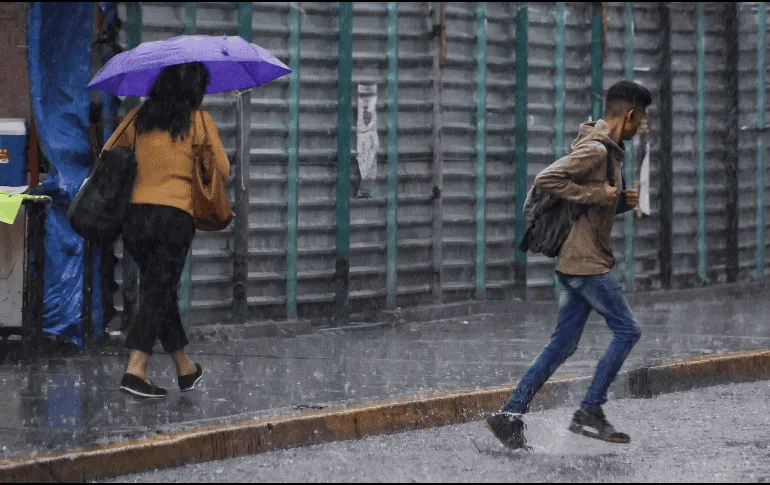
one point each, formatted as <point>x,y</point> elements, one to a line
<point>68,402</point>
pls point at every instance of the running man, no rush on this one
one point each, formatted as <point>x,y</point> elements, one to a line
<point>585,261</point>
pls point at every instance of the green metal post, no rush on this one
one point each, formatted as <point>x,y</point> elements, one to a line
<point>344,87</point>
<point>761,47</point>
<point>666,175</point>
<point>293,168</point>
<point>558,151</point>
<point>731,76</point>
<point>130,286</point>
<point>520,184</point>
<point>597,65</point>
<point>481,150</point>
<point>628,230</point>
<point>392,222</point>
<point>185,282</point>
<point>240,308</point>
<point>133,25</point>
<point>190,13</point>
<point>245,15</point>
<point>700,139</point>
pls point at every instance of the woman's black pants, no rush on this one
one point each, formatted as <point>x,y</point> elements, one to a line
<point>158,238</point>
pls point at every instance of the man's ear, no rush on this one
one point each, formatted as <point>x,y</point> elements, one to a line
<point>631,115</point>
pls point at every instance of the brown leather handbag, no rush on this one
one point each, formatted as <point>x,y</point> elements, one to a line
<point>211,207</point>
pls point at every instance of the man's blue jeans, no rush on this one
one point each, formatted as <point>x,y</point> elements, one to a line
<point>579,295</point>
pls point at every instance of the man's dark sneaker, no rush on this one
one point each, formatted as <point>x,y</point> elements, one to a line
<point>136,386</point>
<point>188,382</point>
<point>509,429</point>
<point>592,423</point>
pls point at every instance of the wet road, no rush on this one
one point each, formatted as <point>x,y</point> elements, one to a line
<point>717,434</point>
<point>54,404</point>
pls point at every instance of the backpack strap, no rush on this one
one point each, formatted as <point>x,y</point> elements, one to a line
<point>610,174</point>
<point>621,207</point>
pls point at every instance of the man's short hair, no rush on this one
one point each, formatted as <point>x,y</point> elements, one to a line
<point>630,92</point>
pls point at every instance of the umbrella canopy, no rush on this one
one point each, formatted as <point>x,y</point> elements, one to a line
<point>232,62</point>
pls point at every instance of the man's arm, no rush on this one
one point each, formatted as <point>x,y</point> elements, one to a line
<point>558,177</point>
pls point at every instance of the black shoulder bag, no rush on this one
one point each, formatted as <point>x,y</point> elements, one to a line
<point>98,210</point>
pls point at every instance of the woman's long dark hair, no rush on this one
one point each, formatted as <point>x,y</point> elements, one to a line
<point>177,91</point>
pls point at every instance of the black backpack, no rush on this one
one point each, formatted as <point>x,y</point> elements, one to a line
<point>551,219</point>
<point>98,210</point>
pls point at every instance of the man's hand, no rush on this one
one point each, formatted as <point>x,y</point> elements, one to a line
<point>632,198</point>
<point>611,194</point>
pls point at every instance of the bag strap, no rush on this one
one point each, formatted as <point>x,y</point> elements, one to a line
<point>135,132</point>
<point>610,178</point>
<point>205,131</point>
<point>124,129</point>
<point>610,171</point>
<point>195,131</point>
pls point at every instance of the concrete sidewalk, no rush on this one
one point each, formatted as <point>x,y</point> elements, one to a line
<point>54,404</point>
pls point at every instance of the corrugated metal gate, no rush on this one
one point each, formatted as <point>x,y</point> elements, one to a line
<point>686,148</point>
<point>456,133</point>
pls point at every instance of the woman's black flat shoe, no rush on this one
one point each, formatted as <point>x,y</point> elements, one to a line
<point>134,385</point>
<point>188,382</point>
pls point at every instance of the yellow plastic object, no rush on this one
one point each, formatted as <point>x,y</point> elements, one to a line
<point>10,204</point>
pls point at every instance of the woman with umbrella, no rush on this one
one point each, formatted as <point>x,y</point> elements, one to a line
<point>160,227</point>
<point>165,132</point>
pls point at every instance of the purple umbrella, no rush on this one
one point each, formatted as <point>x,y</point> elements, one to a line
<point>233,63</point>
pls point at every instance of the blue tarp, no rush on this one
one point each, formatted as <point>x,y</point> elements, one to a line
<point>59,61</point>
